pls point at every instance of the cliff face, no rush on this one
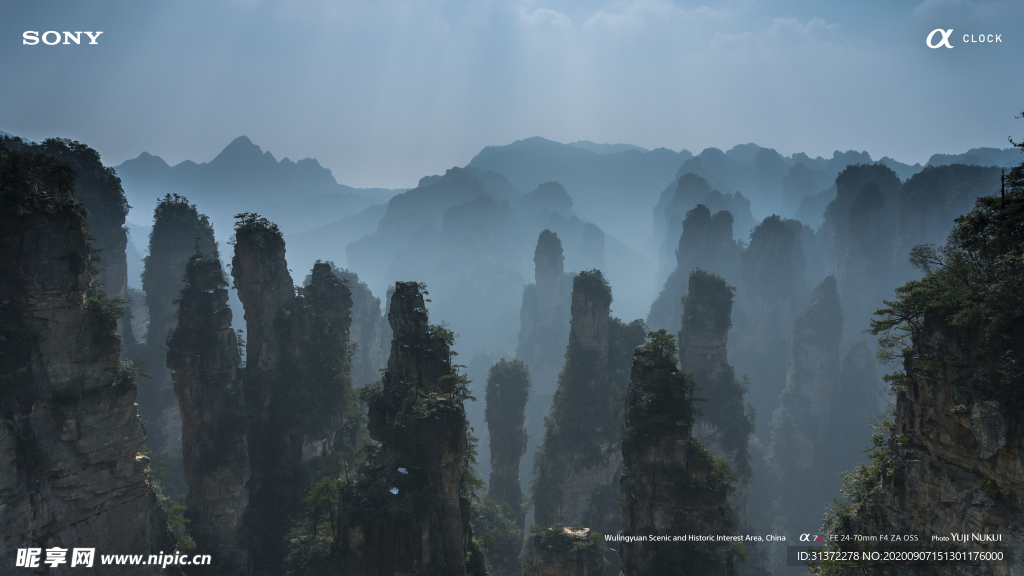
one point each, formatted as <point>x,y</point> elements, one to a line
<point>420,469</point>
<point>953,463</point>
<point>370,331</point>
<point>176,227</point>
<point>98,188</point>
<point>726,424</point>
<point>670,485</point>
<point>812,381</point>
<point>508,388</point>
<point>264,287</point>
<point>705,244</point>
<point>560,551</point>
<point>70,470</point>
<point>204,358</point>
<point>953,458</point>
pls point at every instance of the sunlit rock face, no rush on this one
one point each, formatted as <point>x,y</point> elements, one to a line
<point>70,470</point>
<point>561,551</point>
<point>955,461</point>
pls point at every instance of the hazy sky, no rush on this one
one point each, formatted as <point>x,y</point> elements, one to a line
<point>383,92</point>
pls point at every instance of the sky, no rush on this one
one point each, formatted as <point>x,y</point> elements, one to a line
<point>383,92</point>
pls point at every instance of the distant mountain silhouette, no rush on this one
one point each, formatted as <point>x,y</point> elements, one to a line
<point>605,148</point>
<point>243,178</point>
<point>1002,157</point>
<point>613,186</point>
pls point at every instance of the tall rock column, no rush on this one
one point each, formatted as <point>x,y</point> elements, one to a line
<point>508,388</point>
<point>580,452</point>
<point>544,332</point>
<point>264,287</point>
<point>770,289</point>
<point>204,358</point>
<point>420,468</point>
<point>726,423</point>
<point>178,231</point>
<point>70,470</point>
<point>705,244</point>
<point>297,382</point>
<point>670,484</point>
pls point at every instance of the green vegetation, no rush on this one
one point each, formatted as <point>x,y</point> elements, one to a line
<point>261,232</point>
<point>105,312</point>
<point>131,372</point>
<point>707,305</point>
<point>591,284</point>
<point>707,309</point>
<point>498,535</point>
<point>174,508</point>
<point>662,405</point>
<point>971,284</point>
<point>36,183</point>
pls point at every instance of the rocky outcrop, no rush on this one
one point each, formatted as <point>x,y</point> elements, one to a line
<point>179,230</point>
<point>99,189</point>
<point>560,551</point>
<point>705,244</point>
<point>297,382</point>
<point>670,484</point>
<point>950,460</point>
<point>577,467</point>
<point>265,288</point>
<point>203,355</point>
<point>508,388</point>
<point>952,463</point>
<point>726,424</point>
<point>420,468</point>
<point>544,332</point>
<point>70,470</point>
<point>369,332</point>
<point>689,191</point>
<point>931,199</point>
<point>812,380</point>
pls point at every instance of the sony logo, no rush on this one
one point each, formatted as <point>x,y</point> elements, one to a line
<point>52,37</point>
